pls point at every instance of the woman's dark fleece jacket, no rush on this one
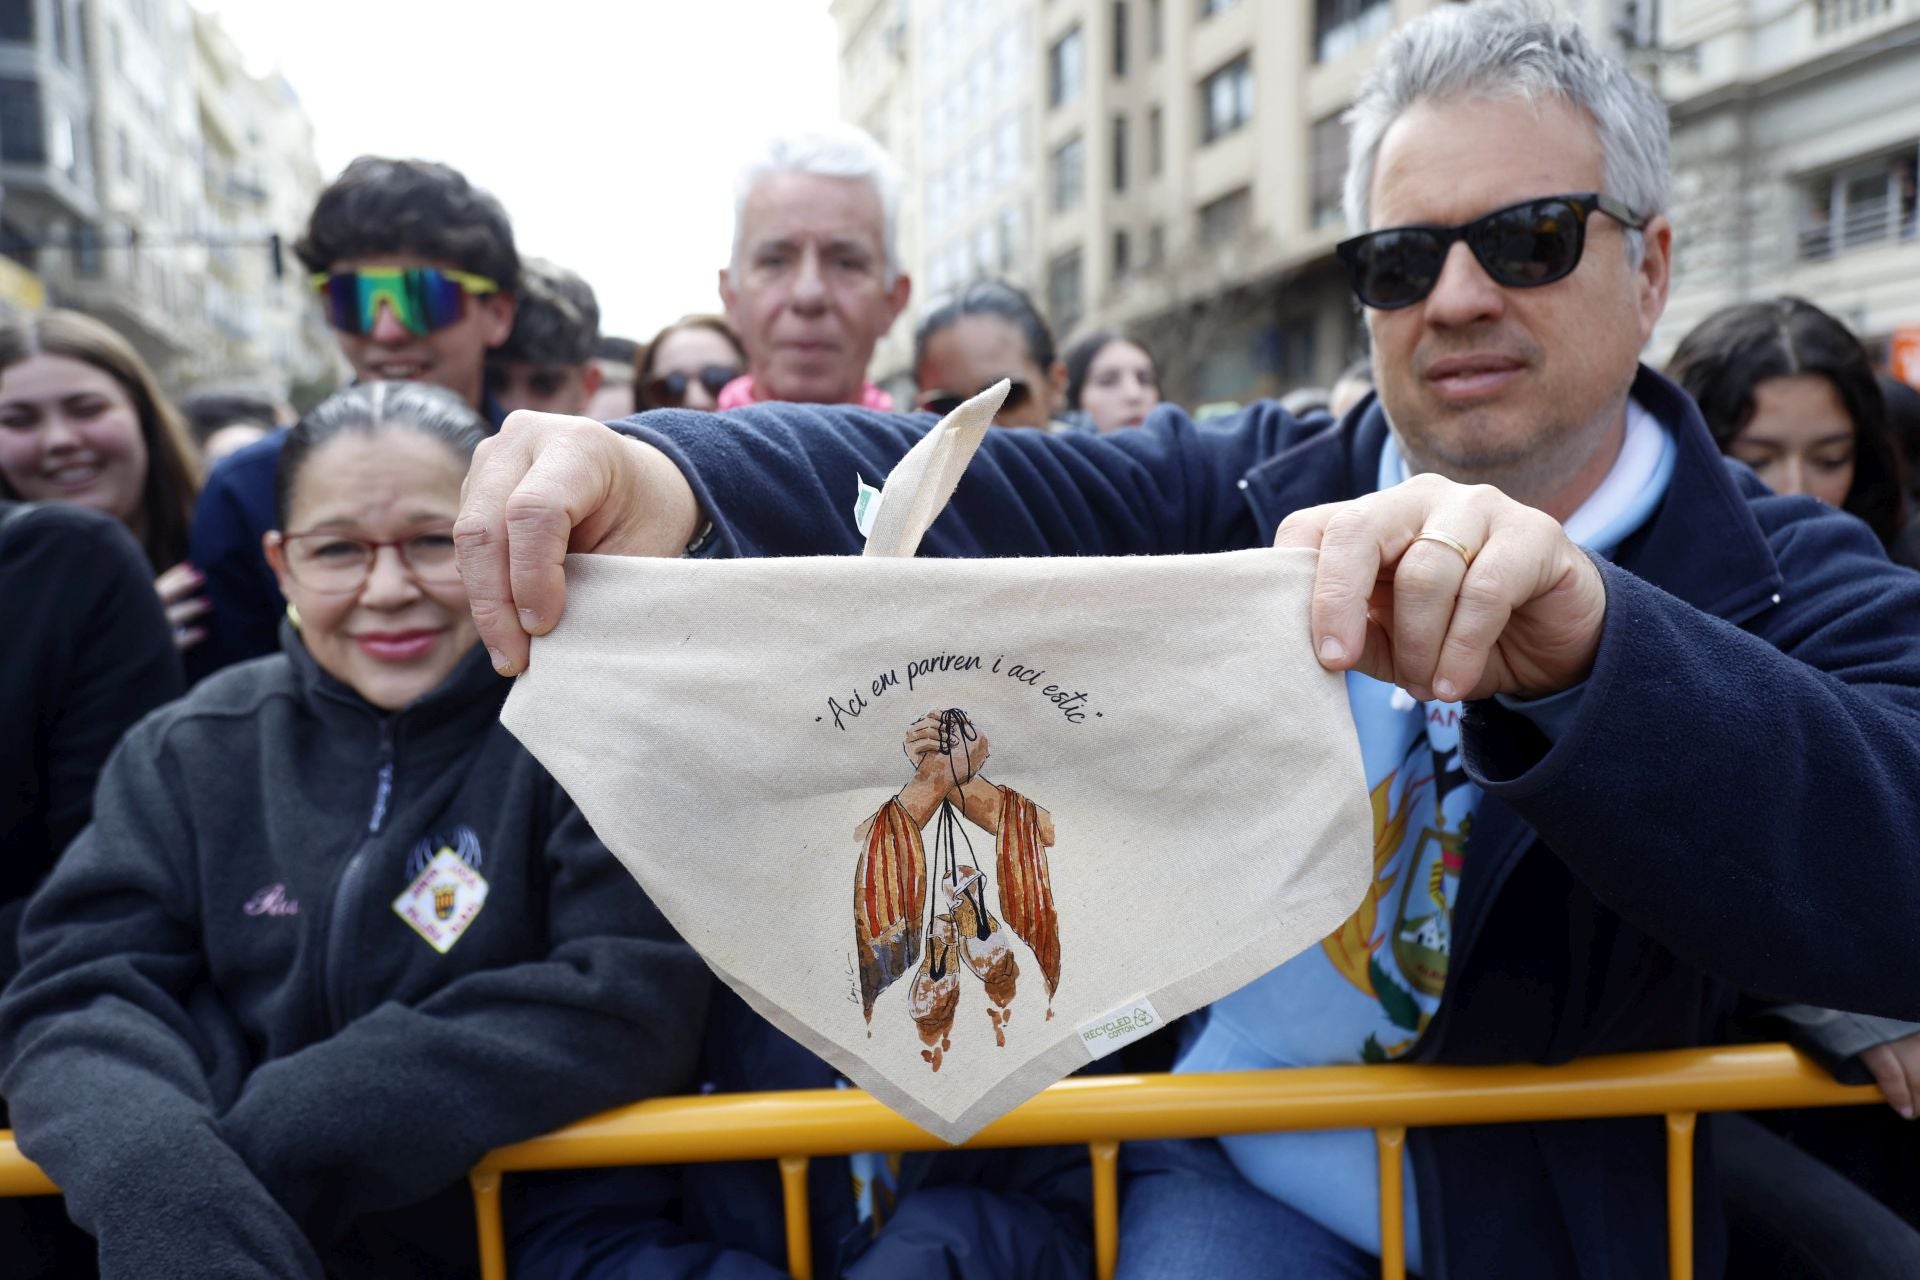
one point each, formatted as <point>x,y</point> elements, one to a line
<point>225,1044</point>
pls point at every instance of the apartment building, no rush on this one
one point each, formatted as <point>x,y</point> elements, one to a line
<point>1180,167</point>
<point>1796,141</point>
<point>142,173</point>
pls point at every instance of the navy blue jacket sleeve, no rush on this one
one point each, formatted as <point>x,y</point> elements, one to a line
<point>117,1062</point>
<point>780,480</point>
<point>235,509</point>
<point>1748,794</point>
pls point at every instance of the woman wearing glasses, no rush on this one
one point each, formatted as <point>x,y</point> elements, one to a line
<point>333,933</point>
<point>991,331</point>
<point>82,420</point>
<point>687,364</point>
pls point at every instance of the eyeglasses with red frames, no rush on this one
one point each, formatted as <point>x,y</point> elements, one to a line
<point>335,564</point>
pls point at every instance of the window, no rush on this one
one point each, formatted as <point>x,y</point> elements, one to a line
<point>1119,155</point>
<point>1224,219</point>
<point>62,151</point>
<point>1122,256</point>
<point>60,33</point>
<point>1328,149</point>
<point>22,141</point>
<point>983,256</point>
<point>1065,69</point>
<point>1069,165</point>
<point>1156,141</point>
<point>1006,151</point>
<point>16,20</point>
<point>86,250</point>
<point>1863,204</point>
<point>1226,99</point>
<point>1009,237</point>
<point>1156,245</point>
<point>1212,8</point>
<point>1119,39</point>
<point>1063,292</point>
<point>1343,25</point>
<point>1835,15</point>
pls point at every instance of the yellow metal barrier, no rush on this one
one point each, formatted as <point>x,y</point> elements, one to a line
<point>1104,1111</point>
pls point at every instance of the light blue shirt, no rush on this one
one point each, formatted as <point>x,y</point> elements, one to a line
<point>1366,993</point>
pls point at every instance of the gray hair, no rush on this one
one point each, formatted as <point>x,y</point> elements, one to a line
<point>1513,49</point>
<point>557,320</point>
<point>838,151</point>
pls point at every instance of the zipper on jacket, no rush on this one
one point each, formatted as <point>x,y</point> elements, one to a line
<point>346,890</point>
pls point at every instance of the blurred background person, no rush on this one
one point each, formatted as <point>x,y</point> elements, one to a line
<point>88,653</point>
<point>989,331</point>
<point>816,280</point>
<point>546,364</point>
<point>687,365</point>
<point>615,358</point>
<point>82,420</point>
<point>225,422</point>
<point>1789,391</point>
<point>1112,380</point>
<point>333,933</point>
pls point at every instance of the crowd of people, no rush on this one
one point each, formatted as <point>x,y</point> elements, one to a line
<point>293,931</point>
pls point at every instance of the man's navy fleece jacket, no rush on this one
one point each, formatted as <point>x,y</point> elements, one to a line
<point>1735,804</point>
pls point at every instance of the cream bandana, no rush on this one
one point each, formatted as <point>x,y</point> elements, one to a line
<point>961,826</point>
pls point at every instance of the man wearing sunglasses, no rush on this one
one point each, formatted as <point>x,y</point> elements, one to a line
<point>1639,733</point>
<point>416,273</point>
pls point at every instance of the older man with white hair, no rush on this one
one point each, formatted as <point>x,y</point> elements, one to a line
<point>1639,734</point>
<point>815,280</point>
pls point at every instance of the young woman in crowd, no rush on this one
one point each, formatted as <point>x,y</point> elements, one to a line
<point>1112,380</point>
<point>1786,389</point>
<point>687,364</point>
<point>333,933</point>
<point>990,331</point>
<point>82,420</point>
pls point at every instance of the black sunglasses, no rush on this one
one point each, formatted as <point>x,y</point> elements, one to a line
<point>1521,246</point>
<point>670,390</point>
<point>945,402</point>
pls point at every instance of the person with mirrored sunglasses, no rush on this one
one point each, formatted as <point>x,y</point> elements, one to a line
<point>416,272</point>
<point>1596,672</point>
<point>989,331</point>
<point>688,364</point>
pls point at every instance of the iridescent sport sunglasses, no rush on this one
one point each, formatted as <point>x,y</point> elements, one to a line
<point>422,298</point>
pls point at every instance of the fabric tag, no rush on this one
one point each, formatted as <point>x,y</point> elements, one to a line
<point>443,900</point>
<point>1118,1028</point>
<point>866,508</point>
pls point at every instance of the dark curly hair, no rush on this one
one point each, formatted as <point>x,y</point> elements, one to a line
<point>379,206</point>
<point>1737,348</point>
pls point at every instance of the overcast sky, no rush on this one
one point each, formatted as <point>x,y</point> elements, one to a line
<point>609,128</point>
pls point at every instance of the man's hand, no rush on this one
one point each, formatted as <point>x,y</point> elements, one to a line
<point>1896,1069</point>
<point>545,486</point>
<point>1523,616</point>
<point>923,748</point>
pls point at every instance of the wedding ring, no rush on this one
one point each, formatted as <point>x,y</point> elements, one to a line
<point>1448,541</point>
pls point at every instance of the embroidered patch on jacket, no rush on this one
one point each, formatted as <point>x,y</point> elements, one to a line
<point>443,899</point>
<point>274,900</point>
